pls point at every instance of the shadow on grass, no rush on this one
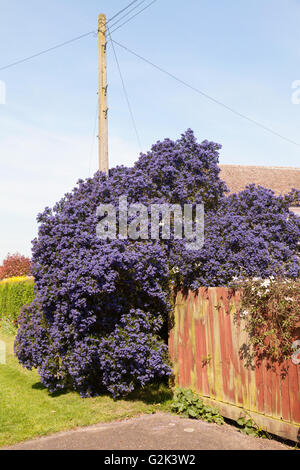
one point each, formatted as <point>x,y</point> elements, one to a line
<point>154,394</point>
<point>40,386</point>
<point>158,393</point>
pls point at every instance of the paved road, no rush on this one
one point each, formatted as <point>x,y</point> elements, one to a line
<point>152,432</point>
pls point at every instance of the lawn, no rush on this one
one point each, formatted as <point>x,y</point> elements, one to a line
<point>28,411</point>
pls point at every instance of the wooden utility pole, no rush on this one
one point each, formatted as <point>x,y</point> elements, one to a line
<point>103,109</point>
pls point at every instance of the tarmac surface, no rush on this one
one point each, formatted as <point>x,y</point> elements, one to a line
<point>152,432</point>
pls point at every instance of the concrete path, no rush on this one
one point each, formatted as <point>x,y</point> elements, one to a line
<point>152,432</point>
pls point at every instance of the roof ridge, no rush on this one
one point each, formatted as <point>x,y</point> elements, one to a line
<point>261,166</point>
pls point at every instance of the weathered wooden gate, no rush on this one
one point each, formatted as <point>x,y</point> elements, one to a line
<point>205,345</point>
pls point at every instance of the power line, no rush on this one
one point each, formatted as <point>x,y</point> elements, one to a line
<point>214,100</point>
<point>126,94</point>
<point>77,38</point>
<point>138,13</point>
<point>121,11</point>
<point>126,14</point>
<point>46,50</point>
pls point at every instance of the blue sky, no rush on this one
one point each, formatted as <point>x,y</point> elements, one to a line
<point>245,54</point>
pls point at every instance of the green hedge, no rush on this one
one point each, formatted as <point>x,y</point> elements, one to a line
<point>13,296</point>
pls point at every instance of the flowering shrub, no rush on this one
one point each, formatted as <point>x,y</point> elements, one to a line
<point>293,198</point>
<point>15,265</point>
<point>99,320</point>
<point>132,354</point>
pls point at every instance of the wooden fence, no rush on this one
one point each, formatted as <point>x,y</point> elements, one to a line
<point>205,347</point>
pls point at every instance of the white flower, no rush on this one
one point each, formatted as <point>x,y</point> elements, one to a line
<point>244,313</point>
<point>266,283</point>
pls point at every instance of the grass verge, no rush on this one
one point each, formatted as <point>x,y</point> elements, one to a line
<point>28,411</point>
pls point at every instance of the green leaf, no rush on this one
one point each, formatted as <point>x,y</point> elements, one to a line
<point>250,431</point>
<point>192,413</point>
<point>241,421</point>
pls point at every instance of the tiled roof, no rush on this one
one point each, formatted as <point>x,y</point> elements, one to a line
<point>280,179</point>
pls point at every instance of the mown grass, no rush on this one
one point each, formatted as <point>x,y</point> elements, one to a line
<point>28,411</point>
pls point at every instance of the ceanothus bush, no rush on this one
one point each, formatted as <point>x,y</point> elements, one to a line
<point>99,321</point>
<point>251,234</point>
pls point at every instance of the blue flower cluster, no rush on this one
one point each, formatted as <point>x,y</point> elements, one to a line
<point>100,318</point>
